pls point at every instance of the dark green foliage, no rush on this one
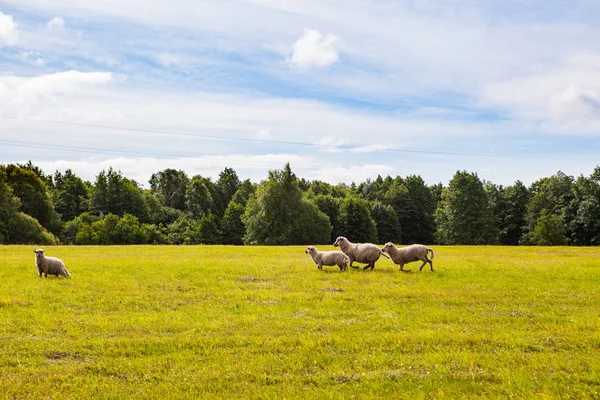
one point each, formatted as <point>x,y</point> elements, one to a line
<point>371,190</point>
<point>71,195</point>
<point>169,187</point>
<point>226,186</point>
<point>356,222</point>
<point>17,227</point>
<point>157,213</point>
<point>233,229</point>
<point>35,199</point>
<point>24,229</point>
<point>115,194</point>
<point>464,215</point>
<point>113,229</point>
<point>244,192</point>
<point>417,220</point>
<point>323,188</point>
<point>388,227</point>
<point>552,194</point>
<point>208,230</point>
<point>72,227</point>
<point>286,210</point>
<point>584,210</point>
<point>311,226</point>
<point>278,215</point>
<point>510,208</point>
<point>549,230</point>
<point>199,200</point>
<point>330,206</point>
<point>193,231</point>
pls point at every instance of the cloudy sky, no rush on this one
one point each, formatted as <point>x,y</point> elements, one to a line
<point>342,89</point>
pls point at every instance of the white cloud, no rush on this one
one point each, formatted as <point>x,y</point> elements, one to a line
<point>56,22</point>
<point>314,49</point>
<point>31,96</point>
<point>575,103</point>
<point>372,148</point>
<point>561,94</point>
<point>8,30</point>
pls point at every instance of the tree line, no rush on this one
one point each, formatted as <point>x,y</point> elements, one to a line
<point>36,208</point>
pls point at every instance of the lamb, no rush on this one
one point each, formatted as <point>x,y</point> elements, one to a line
<point>49,265</point>
<point>366,253</point>
<point>405,255</point>
<point>328,258</point>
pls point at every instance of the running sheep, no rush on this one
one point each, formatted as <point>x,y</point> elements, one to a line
<point>328,258</point>
<point>364,253</point>
<point>405,255</point>
<point>49,265</point>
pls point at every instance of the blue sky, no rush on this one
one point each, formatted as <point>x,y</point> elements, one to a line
<point>343,90</point>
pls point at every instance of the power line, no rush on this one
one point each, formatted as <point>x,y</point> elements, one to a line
<point>330,146</point>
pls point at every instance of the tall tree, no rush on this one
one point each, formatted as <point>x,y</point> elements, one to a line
<point>388,227</point>
<point>584,210</point>
<point>510,207</point>
<point>115,194</point>
<point>330,206</point>
<point>232,227</point>
<point>17,227</point>
<point>199,200</point>
<point>549,230</point>
<point>71,195</point>
<point>552,194</point>
<point>277,214</point>
<point>464,215</point>
<point>226,186</point>
<point>417,222</point>
<point>169,186</point>
<point>356,222</point>
<point>33,194</point>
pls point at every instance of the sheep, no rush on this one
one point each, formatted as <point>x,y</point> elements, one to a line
<point>366,253</point>
<point>405,255</point>
<point>49,265</point>
<point>328,258</point>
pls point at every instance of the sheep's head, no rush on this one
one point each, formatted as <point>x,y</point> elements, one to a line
<point>387,247</point>
<point>310,249</point>
<point>39,253</point>
<point>339,240</point>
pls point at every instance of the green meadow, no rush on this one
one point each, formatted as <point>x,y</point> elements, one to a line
<point>206,322</point>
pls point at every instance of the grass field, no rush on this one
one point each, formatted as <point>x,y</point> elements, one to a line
<point>262,322</point>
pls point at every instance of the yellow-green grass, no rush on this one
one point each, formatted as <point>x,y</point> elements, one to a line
<point>262,322</point>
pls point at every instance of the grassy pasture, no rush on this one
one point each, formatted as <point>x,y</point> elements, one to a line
<point>262,322</point>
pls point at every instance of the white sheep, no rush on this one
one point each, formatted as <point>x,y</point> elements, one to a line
<point>365,253</point>
<point>328,258</point>
<point>405,255</point>
<point>49,265</point>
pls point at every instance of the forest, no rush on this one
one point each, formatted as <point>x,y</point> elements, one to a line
<point>283,209</point>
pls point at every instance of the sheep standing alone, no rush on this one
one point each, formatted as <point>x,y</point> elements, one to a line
<point>328,258</point>
<point>405,255</point>
<point>49,265</point>
<point>365,253</point>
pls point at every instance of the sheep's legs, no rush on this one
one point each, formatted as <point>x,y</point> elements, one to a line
<point>402,268</point>
<point>425,262</point>
<point>369,266</point>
